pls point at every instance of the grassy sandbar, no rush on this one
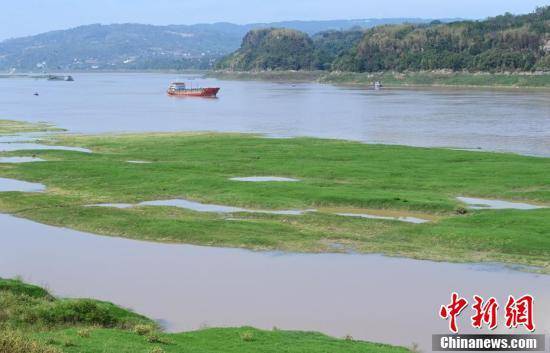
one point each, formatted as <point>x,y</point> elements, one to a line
<point>335,177</point>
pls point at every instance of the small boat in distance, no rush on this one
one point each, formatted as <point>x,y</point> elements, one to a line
<point>180,89</point>
<point>67,78</point>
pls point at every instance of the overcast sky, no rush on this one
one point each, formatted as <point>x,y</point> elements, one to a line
<point>25,17</point>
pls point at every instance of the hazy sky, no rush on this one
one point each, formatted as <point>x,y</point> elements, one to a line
<point>25,17</point>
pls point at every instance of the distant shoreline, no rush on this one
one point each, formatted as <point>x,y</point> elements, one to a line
<point>399,80</point>
<point>413,79</point>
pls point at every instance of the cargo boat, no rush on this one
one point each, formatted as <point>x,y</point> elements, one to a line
<point>180,89</point>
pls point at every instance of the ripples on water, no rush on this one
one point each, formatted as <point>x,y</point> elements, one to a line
<point>507,120</point>
<point>369,297</point>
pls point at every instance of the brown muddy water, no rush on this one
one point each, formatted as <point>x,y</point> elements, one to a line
<point>185,287</point>
<point>369,297</point>
<point>492,120</point>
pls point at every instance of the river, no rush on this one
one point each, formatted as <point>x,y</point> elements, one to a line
<point>494,120</point>
<point>369,297</point>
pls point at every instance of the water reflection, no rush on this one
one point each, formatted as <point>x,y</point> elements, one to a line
<point>401,219</point>
<point>202,207</point>
<point>15,160</point>
<point>11,147</point>
<point>263,179</point>
<point>12,185</point>
<point>485,204</point>
<point>369,297</point>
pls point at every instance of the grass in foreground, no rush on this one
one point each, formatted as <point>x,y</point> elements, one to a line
<point>33,321</point>
<point>13,126</point>
<point>335,175</point>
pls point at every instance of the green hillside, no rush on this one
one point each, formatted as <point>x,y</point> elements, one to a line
<point>270,49</point>
<point>503,43</point>
<point>130,46</point>
<point>500,44</point>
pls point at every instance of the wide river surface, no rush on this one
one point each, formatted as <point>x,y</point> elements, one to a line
<point>370,297</point>
<point>186,287</point>
<point>505,120</point>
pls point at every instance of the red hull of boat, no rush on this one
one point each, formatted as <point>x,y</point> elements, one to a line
<point>199,92</point>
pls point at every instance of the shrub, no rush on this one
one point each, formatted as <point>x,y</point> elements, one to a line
<point>17,287</point>
<point>23,305</point>
<point>247,336</point>
<point>156,350</point>
<point>84,332</point>
<point>13,342</point>
<point>155,338</point>
<point>69,343</point>
<point>81,311</point>
<point>143,330</point>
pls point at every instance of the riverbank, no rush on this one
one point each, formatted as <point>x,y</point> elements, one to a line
<point>441,78</point>
<point>395,79</point>
<point>275,76</point>
<point>346,196</point>
<point>34,321</point>
<point>18,127</point>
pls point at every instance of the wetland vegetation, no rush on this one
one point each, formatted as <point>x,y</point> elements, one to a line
<point>336,177</point>
<point>396,79</point>
<point>15,126</point>
<point>34,321</point>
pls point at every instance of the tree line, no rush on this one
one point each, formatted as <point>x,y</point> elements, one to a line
<point>503,43</point>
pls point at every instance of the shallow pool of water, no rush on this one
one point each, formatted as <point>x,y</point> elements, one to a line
<point>10,147</point>
<point>370,297</point>
<point>400,219</point>
<point>264,179</point>
<point>202,207</point>
<point>113,205</point>
<point>16,160</point>
<point>485,204</point>
<point>17,138</point>
<point>9,185</point>
<point>138,162</point>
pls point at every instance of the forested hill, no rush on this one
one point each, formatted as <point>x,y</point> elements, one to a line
<point>272,48</point>
<point>144,47</point>
<point>502,43</point>
<point>288,49</point>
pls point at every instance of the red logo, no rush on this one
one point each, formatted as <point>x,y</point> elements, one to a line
<point>453,310</point>
<point>486,312</point>
<point>520,312</point>
<point>517,312</point>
